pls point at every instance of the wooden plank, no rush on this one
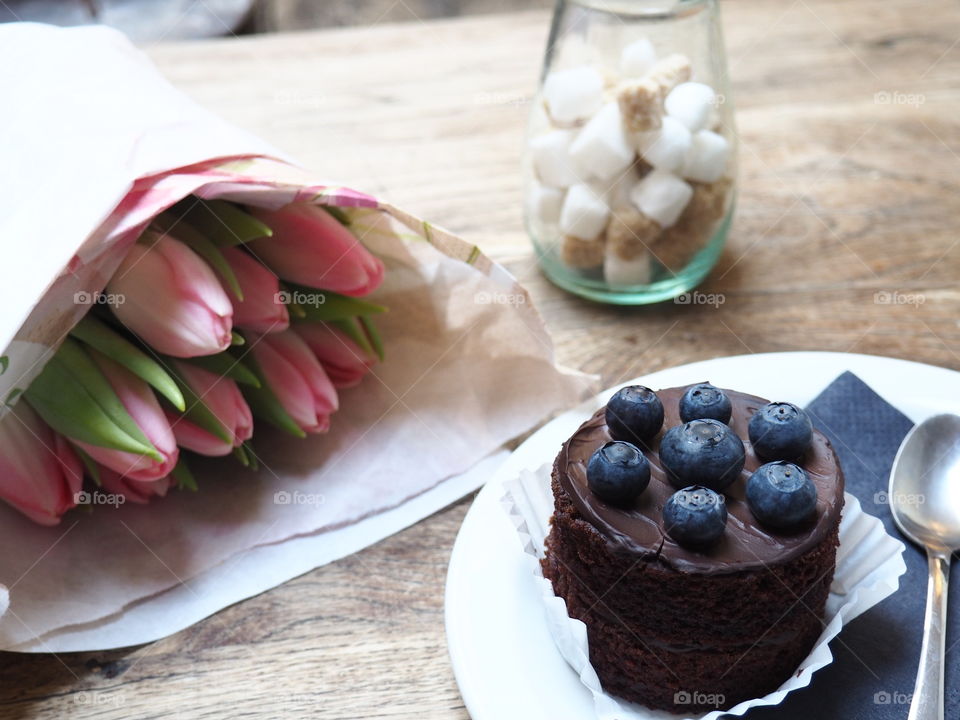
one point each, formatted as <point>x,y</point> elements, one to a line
<point>843,196</point>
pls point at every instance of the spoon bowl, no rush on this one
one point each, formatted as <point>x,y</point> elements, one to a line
<point>924,491</point>
<point>924,500</point>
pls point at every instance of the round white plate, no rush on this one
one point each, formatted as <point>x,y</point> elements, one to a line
<point>503,656</point>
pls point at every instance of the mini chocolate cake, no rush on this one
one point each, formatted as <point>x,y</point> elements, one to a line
<point>712,619</point>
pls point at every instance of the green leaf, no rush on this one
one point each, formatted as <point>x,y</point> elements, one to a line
<point>181,473</point>
<point>355,331</point>
<point>68,407</point>
<point>88,463</point>
<point>199,414</point>
<point>204,247</point>
<point>265,405</point>
<point>251,456</point>
<point>4,364</point>
<point>339,215</point>
<point>223,222</point>
<point>79,363</point>
<point>240,453</point>
<point>374,336</point>
<point>226,365</point>
<point>102,337</point>
<point>328,305</point>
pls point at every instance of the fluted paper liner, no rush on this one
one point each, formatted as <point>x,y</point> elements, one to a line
<point>869,566</point>
<point>102,145</point>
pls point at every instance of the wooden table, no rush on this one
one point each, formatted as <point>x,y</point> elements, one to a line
<point>850,134</point>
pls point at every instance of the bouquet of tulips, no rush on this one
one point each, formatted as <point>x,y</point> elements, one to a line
<point>218,315</point>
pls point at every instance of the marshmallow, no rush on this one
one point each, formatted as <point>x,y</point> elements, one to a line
<point>544,204</point>
<point>661,196</point>
<point>622,273</point>
<point>573,94</point>
<point>706,160</point>
<point>666,148</point>
<point>637,58</point>
<point>550,153</point>
<point>690,103</point>
<point>584,213</point>
<point>602,149</point>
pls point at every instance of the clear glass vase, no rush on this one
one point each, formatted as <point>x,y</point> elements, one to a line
<point>630,163</point>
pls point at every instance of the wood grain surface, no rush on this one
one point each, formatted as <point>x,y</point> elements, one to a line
<point>845,239</point>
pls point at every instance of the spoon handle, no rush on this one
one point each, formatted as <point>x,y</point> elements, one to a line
<point>927,701</point>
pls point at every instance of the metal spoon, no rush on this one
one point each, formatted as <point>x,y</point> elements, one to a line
<point>925,502</point>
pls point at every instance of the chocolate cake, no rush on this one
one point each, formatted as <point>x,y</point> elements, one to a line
<point>689,625</point>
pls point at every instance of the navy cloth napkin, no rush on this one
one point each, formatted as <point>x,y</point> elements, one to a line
<point>876,655</point>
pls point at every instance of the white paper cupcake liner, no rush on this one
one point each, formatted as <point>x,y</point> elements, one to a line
<point>869,565</point>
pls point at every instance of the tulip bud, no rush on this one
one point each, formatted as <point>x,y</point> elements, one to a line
<point>224,400</point>
<point>311,248</point>
<point>262,309</point>
<point>136,491</point>
<point>344,361</point>
<point>297,379</point>
<point>40,475</point>
<point>168,296</point>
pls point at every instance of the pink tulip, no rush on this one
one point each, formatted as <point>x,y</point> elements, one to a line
<point>40,475</point>
<point>141,404</point>
<point>261,309</point>
<point>135,491</point>
<point>165,293</point>
<point>310,247</point>
<point>223,398</point>
<point>297,379</point>
<point>344,361</point>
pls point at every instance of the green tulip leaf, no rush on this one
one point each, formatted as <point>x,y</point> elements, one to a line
<point>181,473</point>
<point>102,337</point>
<point>355,331</point>
<point>374,335</point>
<point>68,407</point>
<point>324,306</point>
<point>224,223</point>
<point>199,414</point>
<point>226,365</point>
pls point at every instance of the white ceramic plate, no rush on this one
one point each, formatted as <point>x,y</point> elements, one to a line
<point>504,659</point>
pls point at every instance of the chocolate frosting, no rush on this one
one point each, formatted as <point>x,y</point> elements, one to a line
<point>746,545</point>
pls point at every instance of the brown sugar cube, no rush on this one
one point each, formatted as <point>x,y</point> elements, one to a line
<point>670,72</point>
<point>630,233</point>
<point>677,245</point>
<point>584,254</point>
<point>641,101</point>
<point>641,104</point>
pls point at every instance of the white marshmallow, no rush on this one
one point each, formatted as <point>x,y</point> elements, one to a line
<point>661,196</point>
<point>690,103</point>
<point>620,273</point>
<point>584,213</point>
<point>550,153</point>
<point>637,58</point>
<point>707,159</point>
<point>666,148</point>
<point>602,149</point>
<point>544,204</point>
<point>573,94</point>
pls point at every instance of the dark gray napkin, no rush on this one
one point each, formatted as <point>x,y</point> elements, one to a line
<point>876,655</point>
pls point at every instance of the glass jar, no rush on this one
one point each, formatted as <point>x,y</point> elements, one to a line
<point>630,163</point>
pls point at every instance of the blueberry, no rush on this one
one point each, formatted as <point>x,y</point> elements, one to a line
<point>704,401</point>
<point>618,472</point>
<point>634,414</point>
<point>695,517</point>
<point>781,495</point>
<point>702,452</point>
<point>780,431</point>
